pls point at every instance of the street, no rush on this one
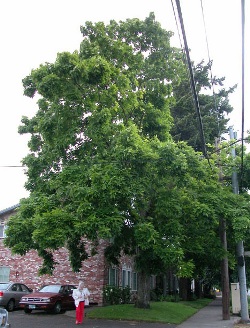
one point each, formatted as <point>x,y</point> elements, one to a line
<point>37,319</point>
<point>19,319</point>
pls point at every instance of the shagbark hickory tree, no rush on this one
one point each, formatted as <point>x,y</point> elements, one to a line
<point>102,162</point>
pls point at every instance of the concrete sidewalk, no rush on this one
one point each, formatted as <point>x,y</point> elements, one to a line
<point>210,317</point>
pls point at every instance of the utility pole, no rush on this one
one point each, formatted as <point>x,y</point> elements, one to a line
<point>224,261</point>
<point>240,248</point>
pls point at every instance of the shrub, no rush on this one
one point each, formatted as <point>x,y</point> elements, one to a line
<point>156,295</point>
<point>126,295</point>
<point>116,295</point>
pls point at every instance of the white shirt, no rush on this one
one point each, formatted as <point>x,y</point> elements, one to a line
<point>80,296</point>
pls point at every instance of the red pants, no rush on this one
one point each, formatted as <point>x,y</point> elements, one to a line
<point>80,312</point>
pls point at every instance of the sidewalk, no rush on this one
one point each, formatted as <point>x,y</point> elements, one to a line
<point>210,317</point>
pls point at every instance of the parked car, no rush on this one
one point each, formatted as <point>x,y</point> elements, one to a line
<point>11,293</point>
<point>50,298</point>
<point>4,318</point>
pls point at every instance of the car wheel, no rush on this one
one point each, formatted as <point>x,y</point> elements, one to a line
<point>58,308</point>
<point>10,305</point>
<point>27,310</point>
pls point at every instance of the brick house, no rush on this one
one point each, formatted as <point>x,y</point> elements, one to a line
<point>95,271</point>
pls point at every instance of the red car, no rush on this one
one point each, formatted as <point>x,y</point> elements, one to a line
<point>50,298</point>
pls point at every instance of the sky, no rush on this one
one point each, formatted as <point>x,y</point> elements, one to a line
<point>34,31</point>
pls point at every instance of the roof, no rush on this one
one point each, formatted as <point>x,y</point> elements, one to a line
<point>9,209</point>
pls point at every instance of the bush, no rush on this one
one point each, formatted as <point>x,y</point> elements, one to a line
<point>172,298</point>
<point>156,295</point>
<point>126,295</point>
<point>116,295</point>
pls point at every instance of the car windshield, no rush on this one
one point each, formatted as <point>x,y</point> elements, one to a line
<point>4,286</point>
<point>50,289</point>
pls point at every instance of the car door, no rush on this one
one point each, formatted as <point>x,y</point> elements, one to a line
<point>64,297</point>
<point>71,300</point>
<point>68,299</point>
<point>20,291</point>
<point>14,293</point>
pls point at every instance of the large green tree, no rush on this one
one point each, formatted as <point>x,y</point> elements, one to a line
<point>102,162</point>
<point>213,104</point>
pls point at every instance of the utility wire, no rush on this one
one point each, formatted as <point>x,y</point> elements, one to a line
<point>227,145</point>
<point>11,166</point>
<point>210,68</point>
<point>243,87</point>
<point>192,81</point>
<point>179,34</point>
<point>177,25</point>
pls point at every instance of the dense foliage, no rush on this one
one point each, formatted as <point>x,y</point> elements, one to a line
<point>214,107</point>
<point>103,164</point>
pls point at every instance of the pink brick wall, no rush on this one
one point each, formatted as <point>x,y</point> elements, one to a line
<point>94,271</point>
<point>25,269</point>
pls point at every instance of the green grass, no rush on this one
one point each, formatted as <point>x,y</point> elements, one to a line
<point>164,312</point>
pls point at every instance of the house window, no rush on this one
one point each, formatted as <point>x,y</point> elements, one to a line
<point>134,281</point>
<point>4,274</point>
<point>113,277</point>
<point>152,282</point>
<point>129,278</point>
<point>2,229</point>
<point>126,278</point>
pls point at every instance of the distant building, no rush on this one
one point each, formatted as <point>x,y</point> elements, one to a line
<point>95,271</point>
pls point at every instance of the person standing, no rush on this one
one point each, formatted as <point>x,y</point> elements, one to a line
<point>79,297</point>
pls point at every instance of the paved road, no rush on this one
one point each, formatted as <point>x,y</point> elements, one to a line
<point>18,319</point>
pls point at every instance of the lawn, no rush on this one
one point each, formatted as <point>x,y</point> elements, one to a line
<point>164,312</point>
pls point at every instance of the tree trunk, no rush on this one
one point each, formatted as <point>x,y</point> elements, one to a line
<point>185,289</point>
<point>143,293</point>
<point>165,285</point>
<point>207,290</point>
<point>198,288</point>
<point>171,284</point>
<point>224,273</point>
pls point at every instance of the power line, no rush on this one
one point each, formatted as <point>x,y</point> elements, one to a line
<point>192,81</point>
<point>177,25</point>
<point>210,67</point>
<point>11,166</point>
<point>243,87</point>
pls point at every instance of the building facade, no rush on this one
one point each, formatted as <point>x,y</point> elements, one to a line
<point>95,271</point>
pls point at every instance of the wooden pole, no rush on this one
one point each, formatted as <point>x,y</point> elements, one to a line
<point>224,261</point>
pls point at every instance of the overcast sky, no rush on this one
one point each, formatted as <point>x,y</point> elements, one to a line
<point>34,31</point>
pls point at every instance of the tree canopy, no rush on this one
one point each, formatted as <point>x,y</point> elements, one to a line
<point>102,161</point>
<point>214,107</point>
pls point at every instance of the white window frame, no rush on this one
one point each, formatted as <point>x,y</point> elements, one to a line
<point>2,229</point>
<point>126,277</point>
<point>152,282</point>
<point>134,281</point>
<point>129,282</point>
<point>113,277</point>
<point>4,273</point>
